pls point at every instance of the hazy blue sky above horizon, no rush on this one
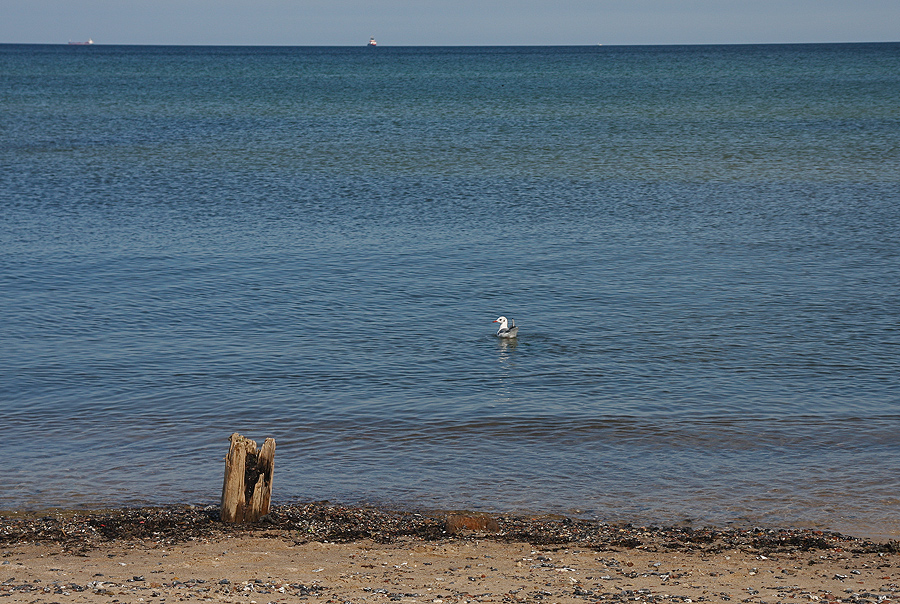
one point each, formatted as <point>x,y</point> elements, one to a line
<point>445,22</point>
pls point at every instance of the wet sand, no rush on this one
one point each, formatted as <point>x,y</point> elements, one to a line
<point>324,553</point>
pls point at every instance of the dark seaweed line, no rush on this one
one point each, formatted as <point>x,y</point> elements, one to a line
<point>323,521</point>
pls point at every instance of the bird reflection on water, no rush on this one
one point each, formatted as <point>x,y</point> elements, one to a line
<point>507,347</point>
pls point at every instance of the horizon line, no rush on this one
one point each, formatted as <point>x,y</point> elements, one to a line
<point>497,45</point>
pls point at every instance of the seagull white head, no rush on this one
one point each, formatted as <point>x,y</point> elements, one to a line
<point>504,324</point>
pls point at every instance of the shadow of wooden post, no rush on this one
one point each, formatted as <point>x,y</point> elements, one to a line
<point>247,490</point>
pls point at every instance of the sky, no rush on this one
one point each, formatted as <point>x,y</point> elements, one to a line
<point>448,22</point>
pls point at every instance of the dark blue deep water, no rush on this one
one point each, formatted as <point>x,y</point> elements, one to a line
<point>700,245</point>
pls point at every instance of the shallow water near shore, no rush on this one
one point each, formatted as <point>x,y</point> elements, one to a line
<point>700,245</point>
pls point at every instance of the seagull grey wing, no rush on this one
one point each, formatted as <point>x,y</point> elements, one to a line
<point>508,333</point>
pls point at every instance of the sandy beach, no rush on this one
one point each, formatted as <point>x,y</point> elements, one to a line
<point>324,553</point>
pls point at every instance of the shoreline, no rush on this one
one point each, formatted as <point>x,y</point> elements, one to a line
<point>323,520</point>
<point>319,552</point>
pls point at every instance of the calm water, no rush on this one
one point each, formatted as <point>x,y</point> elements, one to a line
<point>701,246</point>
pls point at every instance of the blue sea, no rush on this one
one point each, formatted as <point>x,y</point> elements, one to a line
<point>700,246</point>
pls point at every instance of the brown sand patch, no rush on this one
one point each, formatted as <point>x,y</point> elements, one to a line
<point>323,553</point>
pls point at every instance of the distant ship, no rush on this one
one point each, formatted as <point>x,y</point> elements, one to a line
<point>88,43</point>
<point>372,42</point>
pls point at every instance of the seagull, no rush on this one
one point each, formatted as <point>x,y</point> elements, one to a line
<point>505,330</point>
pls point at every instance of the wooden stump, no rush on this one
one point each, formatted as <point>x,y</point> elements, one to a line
<point>247,490</point>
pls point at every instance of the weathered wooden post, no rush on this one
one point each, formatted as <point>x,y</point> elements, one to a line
<point>247,490</point>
